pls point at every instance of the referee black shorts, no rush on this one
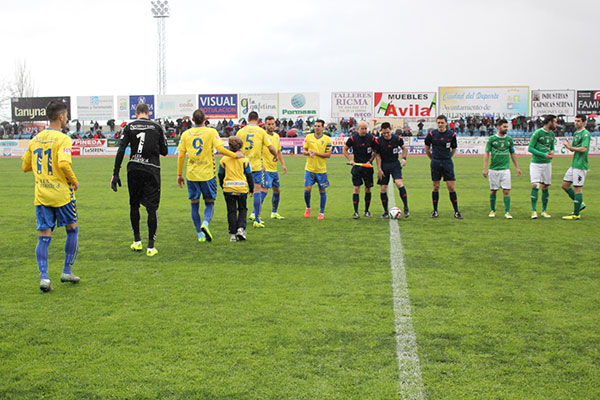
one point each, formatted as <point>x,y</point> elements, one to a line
<point>144,188</point>
<point>390,169</point>
<point>362,175</point>
<point>442,168</point>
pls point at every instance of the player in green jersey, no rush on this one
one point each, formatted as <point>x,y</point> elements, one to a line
<point>541,146</point>
<point>502,150</point>
<point>580,146</point>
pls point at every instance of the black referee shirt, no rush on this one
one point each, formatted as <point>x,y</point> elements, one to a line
<point>389,149</point>
<point>362,147</point>
<point>441,144</point>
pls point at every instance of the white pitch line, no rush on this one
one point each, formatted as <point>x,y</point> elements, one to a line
<point>411,382</point>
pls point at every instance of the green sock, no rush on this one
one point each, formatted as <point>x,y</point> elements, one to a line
<point>571,193</point>
<point>577,203</point>
<point>493,202</point>
<point>507,204</point>
<point>534,198</point>
<point>545,196</point>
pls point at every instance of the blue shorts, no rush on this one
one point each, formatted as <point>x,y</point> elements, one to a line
<point>208,189</point>
<point>258,177</point>
<point>49,217</point>
<point>310,178</point>
<point>271,180</point>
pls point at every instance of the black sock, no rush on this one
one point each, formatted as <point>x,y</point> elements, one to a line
<point>152,226</point>
<point>134,217</point>
<point>355,202</point>
<point>454,201</point>
<point>435,196</point>
<point>384,202</point>
<point>367,201</point>
<point>404,197</point>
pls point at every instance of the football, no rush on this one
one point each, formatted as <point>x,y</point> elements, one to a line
<point>395,213</point>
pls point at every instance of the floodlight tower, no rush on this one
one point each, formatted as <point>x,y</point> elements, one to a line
<point>160,11</point>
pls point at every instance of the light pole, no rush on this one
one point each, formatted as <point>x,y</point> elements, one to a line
<point>160,11</point>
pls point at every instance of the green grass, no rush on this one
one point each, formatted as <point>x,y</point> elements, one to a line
<point>303,309</point>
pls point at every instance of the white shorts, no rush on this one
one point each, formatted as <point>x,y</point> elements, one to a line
<point>499,179</point>
<point>575,176</point>
<point>540,173</point>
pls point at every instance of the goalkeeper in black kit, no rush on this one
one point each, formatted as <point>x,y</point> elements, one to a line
<point>387,148</point>
<point>147,142</point>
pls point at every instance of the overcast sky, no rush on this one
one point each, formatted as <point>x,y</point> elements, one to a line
<point>236,46</point>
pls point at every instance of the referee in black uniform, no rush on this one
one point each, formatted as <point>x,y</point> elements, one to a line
<point>387,150</point>
<point>363,146</point>
<point>147,142</point>
<point>440,146</point>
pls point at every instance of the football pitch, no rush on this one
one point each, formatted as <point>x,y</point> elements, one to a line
<point>501,309</point>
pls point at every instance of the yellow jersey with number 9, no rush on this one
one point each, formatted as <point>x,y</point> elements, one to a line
<point>199,144</point>
<point>254,138</point>
<point>44,153</point>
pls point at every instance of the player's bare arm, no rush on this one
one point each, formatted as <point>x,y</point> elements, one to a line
<point>280,157</point>
<point>486,158</point>
<point>513,157</point>
<point>404,154</point>
<point>428,151</point>
<point>347,154</point>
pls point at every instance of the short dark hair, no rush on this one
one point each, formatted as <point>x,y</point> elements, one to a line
<point>54,109</point>
<point>441,116</point>
<point>321,121</point>
<point>548,118</point>
<point>386,125</point>
<point>270,118</point>
<point>142,109</point>
<point>581,117</point>
<point>501,121</point>
<point>253,116</point>
<point>198,117</point>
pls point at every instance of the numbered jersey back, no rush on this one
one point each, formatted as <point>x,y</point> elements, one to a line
<point>45,153</point>
<point>147,142</point>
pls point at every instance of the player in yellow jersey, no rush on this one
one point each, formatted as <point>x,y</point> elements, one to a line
<point>317,147</point>
<point>271,174</point>
<point>235,178</point>
<point>199,143</point>
<point>49,157</point>
<point>254,139</point>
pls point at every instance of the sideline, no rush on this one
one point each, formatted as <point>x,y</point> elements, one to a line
<point>411,382</point>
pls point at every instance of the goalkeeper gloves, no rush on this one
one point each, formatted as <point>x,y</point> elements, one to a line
<point>114,181</point>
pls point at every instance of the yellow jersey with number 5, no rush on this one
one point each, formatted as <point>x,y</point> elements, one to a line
<point>254,138</point>
<point>44,153</point>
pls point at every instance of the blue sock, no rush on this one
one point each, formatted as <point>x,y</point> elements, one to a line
<point>196,216</point>
<point>257,204</point>
<point>41,253</point>
<point>71,247</point>
<point>323,201</point>
<point>307,198</point>
<point>263,196</point>
<point>208,212</point>
<point>275,201</point>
